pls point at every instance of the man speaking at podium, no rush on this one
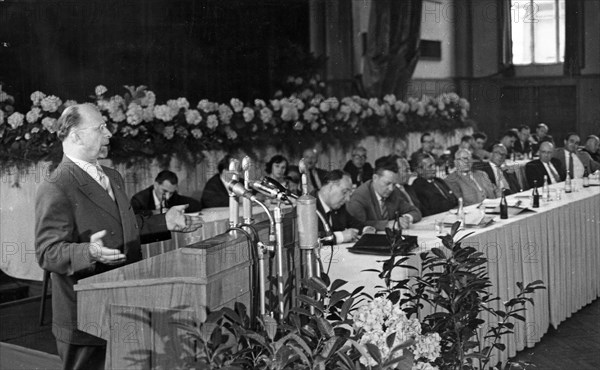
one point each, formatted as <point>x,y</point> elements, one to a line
<point>85,226</point>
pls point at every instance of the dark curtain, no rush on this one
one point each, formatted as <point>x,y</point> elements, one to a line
<point>574,38</point>
<point>505,35</point>
<point>392,46</point>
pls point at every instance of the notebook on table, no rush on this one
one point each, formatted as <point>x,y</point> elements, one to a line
<point>377,244</point>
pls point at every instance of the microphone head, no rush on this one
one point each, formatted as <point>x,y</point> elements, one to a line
<point>234,165</point>
<point>301,166</point>
<point>271,181</point>
<point>246,163</point>
<point>238,189</point>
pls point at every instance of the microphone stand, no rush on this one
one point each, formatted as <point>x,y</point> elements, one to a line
<point>234,205</point>
<point>246,203</point>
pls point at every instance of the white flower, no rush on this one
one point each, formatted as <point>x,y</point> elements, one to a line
<point>225,113</point>
<point>183,103</point>
<point>231,134</point>
<point>148,99</point>
<point>428,346</point>
<point>100,90</point>
<point>324,107</point>
<point>248,114</point>
<point>1,117</point>
<point>424,366</point>
<point>298,126</point>
<point>33,115</point>
<point>196,133</point>
<point>401,117</point>
<point>15,120</point>
<point>169,132</point>
<point>266,115</point>
<point>299,81</point>
<point>390,99</point>
<point>69,103</point>
<point>49,124</point>
<point>118,116</point>
<point>205,105</point>
<point>27,136</point>
<point>464,104</point>
<point>259,103</point>
<point>148,114</point>
<point>276,104</point>
<point>164,113</point>
<point>212,122</point>
<point>36,97</point>
<point>193,117</point>
<point>51,103</point>
<point>333,102</point>
<point>35,130</point>
<point>135,114</point>
<point>289,112</point>
<point>236,104</point>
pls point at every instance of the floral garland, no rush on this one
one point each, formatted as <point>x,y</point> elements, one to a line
<point>142,128</point>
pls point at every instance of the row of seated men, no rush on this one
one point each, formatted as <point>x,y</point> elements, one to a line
<point>373,197</point>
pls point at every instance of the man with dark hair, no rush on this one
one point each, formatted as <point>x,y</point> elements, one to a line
<point>592,147</point>
<point>573,161</point>
<point>162,195</point>
<point>315,176</point>
<point>331,201</point>
<point>427,145</point>
<point>504,178</point>
<point>433,193</point>
<point>215,192</point>
<point>378,202</point>
<point>507,139</point>
<point>478,151</point>
<point>466,142</point>
<point>541,135</point>
<point>359,169</point>
<point>84,226</point>
<point>523,144</point>
<point>547,166</point>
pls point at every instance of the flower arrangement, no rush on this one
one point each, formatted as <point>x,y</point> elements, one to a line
<point>143,127</point>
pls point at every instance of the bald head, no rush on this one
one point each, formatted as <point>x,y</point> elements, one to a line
<point>546,151</point>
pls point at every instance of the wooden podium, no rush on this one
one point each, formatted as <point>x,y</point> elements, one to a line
<point>134,307</point>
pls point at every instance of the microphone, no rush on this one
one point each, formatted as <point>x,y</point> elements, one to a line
<point>246,203</point>
<point>269,181</point>
<point>268,190</point>
<point>239,190</point>
<point>302,169</point>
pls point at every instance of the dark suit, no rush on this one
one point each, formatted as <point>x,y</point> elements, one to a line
<point>595,156</point>
<point>535,147</point>
<point>522,148</point>
<point>364,206</point>
<point>71,206</point>
<point>511,178</point>
<point>432,200</point>
<point>366,173</point>
<point>339,219</point>
<point>320,174</point>
<point>535,171</point>
<point>415,154</point>
<point>215,194</point>
<point>143,201</point>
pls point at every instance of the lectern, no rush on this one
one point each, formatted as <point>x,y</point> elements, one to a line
<point>134,307</point>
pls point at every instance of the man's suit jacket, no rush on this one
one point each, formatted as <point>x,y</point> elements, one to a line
<point>584,157</point>
<point>364,206</point>
<point>366,175</point>
<point>340,219</point>
<point>595,156</point>
<point>519,147</point>
<point>511,178</point>
<point>215,194</point>
<point>432,200</point>
<point>321,174</point>
<point>463,186</point>
<point>71,206</point>
<point>535,171</point>
<point>143,201</point>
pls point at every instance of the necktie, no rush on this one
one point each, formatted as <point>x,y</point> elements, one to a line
<point>553,174</point>
<point>385,213</point>
<point>104,182</point>
<point>571,164</point>
<point>500,180</point>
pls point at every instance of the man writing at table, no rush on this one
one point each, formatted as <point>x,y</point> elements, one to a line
<point>378,201</point>
<point>545,166</point>
<point>85,226</point>
<point>331,202</point>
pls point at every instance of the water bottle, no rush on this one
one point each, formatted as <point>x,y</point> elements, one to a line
<point>536,195</point>
<point>568,186</point>
<point>503,206</point>
<point>460,213</point>
<point>545,189</point>
<point>586,178</point>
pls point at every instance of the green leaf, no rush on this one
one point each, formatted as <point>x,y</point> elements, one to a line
<point>337,284</point>
<point>438,253</point>
<point>390,340</point>
<point>374,352</point>
<point>325,327</point>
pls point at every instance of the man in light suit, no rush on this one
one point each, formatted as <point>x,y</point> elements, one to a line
<point>378,201</point>
<point>573,161</point>
<point>472,185</point>
<point>544,166</point>
<point>84,225</point>
<point>504,178</point>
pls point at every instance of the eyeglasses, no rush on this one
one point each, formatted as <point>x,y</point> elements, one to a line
<point>360,156</point>
<point>98,128</point>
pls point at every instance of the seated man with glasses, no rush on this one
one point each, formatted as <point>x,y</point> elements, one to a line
<point>427,145</point>
<point>502,177</point>
<point>471,185</point>
<point>359,169</point>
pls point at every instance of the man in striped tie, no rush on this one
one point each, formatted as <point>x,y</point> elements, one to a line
<point>547,166</point>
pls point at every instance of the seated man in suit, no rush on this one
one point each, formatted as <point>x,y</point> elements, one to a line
<point>359,169</point>
<point>522,146</point>
<point>592,147</point>
<point>434,194</point>
<point>504,178</point>
<point>378,201</point>
<point>400,147</point>
<point>427,145</point>
<point>215,192</point>
<point>541,135</point>
<point>331,201</point>
<point>466,142</point>
<point>575,162</point>
<point>315,176</point>
<point>545,166</point>
<point>507,139</point>
<point>405,178</point>
<point>472,185</point>
<point>478,153</point>
<point>162,195</point>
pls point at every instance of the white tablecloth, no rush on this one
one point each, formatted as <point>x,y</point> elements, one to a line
<point>559,244</point>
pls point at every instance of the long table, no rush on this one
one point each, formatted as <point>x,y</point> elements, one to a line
<point>559,244</point>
